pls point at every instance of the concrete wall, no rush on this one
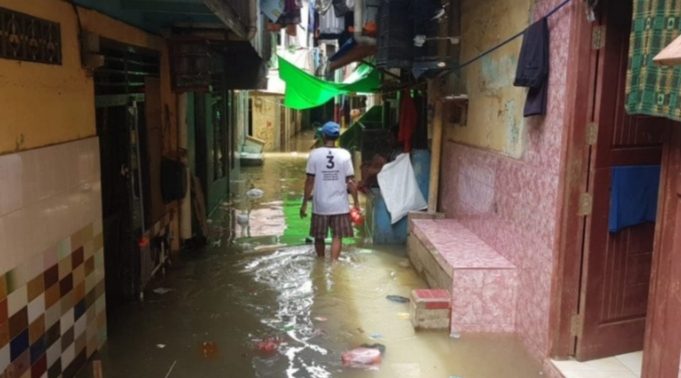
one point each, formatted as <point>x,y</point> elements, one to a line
<point>51,246</point>
<point>512,203</point>
<point>489,82</point>
<point>267,120</point>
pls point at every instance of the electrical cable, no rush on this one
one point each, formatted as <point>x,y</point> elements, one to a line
<point>505,42</point>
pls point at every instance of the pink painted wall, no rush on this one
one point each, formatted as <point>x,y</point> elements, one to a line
<point>512,204</point>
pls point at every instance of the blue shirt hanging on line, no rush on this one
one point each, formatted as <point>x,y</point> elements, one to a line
<point>633,196</point>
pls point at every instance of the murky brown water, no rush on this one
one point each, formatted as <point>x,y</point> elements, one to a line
<point>224,301</point>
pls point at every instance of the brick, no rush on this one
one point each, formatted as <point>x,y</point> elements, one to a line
<point>430,309</point>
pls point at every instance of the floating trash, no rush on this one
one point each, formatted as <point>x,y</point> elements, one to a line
<point>255,193</point>
<point>209,349</point>
<point>361,358</point>
<point>268,346</point>
<point>380,347</point>
<point>397,299</point>
<point>161,290</point>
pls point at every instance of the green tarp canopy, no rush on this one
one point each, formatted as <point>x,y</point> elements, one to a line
<point>304,91</point>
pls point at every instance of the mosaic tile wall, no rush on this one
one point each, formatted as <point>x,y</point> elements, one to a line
<point>512,204</point>
<point>52,302</point>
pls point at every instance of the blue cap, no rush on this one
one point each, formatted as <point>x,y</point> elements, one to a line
<point>330,130</point>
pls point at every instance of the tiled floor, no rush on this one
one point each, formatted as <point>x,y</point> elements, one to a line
<point>622,366</point>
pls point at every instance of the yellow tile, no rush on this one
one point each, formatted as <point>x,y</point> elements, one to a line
<point>98,242</point>
<point>35,287</point>
<point>67,302</point>
<point>88,249</point>
<point>52,295</point>
<point>36,329</point>
<point>79,275</point>
<point>65,267</point>
<point>3,287</point>
<point>79,292</point>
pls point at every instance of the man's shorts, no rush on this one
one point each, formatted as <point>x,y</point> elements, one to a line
<point>339,224</point>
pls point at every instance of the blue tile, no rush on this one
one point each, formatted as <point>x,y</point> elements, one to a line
<point>18,345</point>
<point>38,349</point>
<point>79,310</point>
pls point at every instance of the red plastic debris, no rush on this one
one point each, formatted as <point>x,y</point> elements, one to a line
<point>268,346</point>
<point>361,357</point>
<point>209,349</point>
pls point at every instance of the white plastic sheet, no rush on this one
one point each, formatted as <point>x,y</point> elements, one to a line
<point>399,188</point>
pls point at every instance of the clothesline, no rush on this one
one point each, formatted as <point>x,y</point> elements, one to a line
<point>505,42</point>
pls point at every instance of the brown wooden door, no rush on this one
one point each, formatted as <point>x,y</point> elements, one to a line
<point>663,332</point>
<point>616,267</point>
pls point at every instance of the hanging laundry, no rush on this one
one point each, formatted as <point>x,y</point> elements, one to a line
<point>312,19</point>
<point>330,24</point>
<point>533,67</point>
<point>408,121</point>
<point>341,7</point>
<point>633,196</point>
<point>322,6</point>
<point>273,9</point>
<point>291,15</point>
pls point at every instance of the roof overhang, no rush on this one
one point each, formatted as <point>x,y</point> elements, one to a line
<point>159,16</point>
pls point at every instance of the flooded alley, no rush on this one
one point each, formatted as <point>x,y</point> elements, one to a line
<point>235,310</point>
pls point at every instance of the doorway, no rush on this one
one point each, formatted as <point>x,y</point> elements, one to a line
<point>605,271</point>
<point>123,188</point>
<point>121,88</point>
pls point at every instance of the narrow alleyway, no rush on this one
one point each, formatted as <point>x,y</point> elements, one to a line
<point>222,300</point>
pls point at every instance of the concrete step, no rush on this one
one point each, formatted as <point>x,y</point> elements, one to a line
<point>483,283</point>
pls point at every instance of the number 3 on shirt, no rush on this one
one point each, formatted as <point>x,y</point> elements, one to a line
<point>330,164</point>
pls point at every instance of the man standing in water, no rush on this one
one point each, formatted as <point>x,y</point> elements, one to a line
<point>331,175</point>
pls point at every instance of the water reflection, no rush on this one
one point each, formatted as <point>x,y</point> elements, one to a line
<point>231,299</point>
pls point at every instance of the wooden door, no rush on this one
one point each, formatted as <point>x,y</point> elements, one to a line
<point>616,266</point>
<point>663,332</point>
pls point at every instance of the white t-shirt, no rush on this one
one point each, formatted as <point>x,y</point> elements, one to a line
<point>330,167</point>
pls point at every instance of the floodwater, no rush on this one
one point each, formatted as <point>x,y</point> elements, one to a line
<point>225,299</point>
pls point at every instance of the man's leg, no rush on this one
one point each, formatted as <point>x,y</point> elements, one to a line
<point>336,246</point>
<point>319,246</point>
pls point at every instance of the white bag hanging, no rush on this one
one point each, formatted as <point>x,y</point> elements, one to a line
<point>399,188</point>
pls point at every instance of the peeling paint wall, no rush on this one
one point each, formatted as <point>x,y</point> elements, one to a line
<point>495,119</point>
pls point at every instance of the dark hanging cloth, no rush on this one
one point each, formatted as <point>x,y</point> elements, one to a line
<point>341,7</point>
<point>533,67</point>
<point>291,15</point>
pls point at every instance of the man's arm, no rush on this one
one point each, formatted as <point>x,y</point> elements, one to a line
<point>352,187</point>
<point>309,185</point>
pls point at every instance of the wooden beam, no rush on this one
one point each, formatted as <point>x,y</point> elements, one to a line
<point>224,11</point>
<point>436,158</point>
<point>165,7</point>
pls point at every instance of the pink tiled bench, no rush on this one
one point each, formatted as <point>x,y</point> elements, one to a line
<point>482,282</point>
